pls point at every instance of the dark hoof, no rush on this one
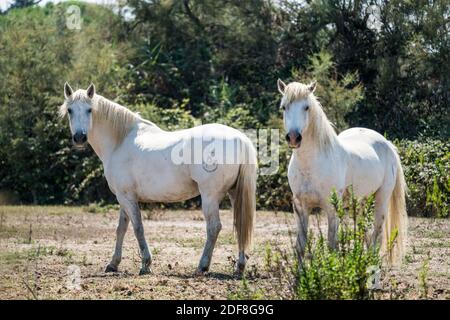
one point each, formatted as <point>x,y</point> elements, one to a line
<point>145,271</point>
<point>201,272</point>
<point>110,268</point>
<point>240,268</point>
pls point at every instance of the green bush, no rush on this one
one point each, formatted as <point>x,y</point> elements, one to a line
<point>427,170</point>
<point>345,273</point>
<point>273,191</point>
<point>168,118</point>
<point>349,272</point>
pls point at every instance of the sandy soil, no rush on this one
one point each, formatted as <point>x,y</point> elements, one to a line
<point>42,249</point>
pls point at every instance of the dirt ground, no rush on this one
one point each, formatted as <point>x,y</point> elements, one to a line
<point>61,252</point>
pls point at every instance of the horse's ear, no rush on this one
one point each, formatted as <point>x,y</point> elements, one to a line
<point>90,91</point>
<point>281,86</point>
<point>312,86</point>
<point>67,90</point>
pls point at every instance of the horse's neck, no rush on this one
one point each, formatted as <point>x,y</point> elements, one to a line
<point>309,151</point>
<point>307,154</point>
<point>101,138</point>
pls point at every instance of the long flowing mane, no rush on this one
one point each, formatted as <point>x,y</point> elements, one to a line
<point>120,119</point>
<point>320,129</point>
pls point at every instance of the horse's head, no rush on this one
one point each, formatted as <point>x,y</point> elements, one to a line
<point>78,106</point>
<point>295,103</point>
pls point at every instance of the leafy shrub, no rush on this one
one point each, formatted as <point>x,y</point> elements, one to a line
<point>273,191</point>
<point>345,273</point>
<point>349,272</point>
<point>427,171</point>
<point>173,118</point>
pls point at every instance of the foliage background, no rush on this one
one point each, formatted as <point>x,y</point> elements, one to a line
<point>182,63</point>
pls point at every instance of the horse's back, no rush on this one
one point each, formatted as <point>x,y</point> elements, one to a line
<point>371,158</point>
<point>214,131</point>
<point>225,149</point>
<point>359,133</point>
<point>365,140</point>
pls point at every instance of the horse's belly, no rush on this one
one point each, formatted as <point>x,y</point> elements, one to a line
<point>170,185</point>
<point>151,180</point>
<point>365,178</point>
<point>165,193</point>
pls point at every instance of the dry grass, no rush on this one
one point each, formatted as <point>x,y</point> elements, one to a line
<point>38,244</point>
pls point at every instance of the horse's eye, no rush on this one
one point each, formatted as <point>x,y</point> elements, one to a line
<point>283,107</point>
<point>69,111</point>
<point>89,110</point>
<point>306,108</point>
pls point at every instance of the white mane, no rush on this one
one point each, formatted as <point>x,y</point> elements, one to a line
<point>119,118</point>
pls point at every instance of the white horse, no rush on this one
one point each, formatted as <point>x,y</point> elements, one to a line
<point>143,163</point>
<point>323,161</point>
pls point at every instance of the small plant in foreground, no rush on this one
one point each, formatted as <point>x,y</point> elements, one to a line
<point>423,276</point>
<point>350,272</point>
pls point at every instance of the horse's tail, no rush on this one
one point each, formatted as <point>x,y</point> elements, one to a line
<point>244,206</point>
<point>397,219</point>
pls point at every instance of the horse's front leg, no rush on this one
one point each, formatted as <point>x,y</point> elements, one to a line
<point>210,208</point>
<point>302,216</point>
<point>120,234</point>
<point>131,207</point>
<point>333,226</point>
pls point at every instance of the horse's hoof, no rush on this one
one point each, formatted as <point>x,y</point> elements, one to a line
<point>238,274</point>
<point>201,272</point>
<point>240,268</point>
<point>110,268</point>
<point>145,271</point>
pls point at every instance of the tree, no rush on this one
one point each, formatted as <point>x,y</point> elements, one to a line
<point>17,4</point>
<point>38,55</point>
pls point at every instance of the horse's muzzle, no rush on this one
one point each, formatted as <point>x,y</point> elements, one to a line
<point>294,139</point>
<point>79,139</point>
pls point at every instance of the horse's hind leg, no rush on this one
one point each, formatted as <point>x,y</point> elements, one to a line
<point>131,207</point>
<point>243,257</point>
<point>210,208</point>
<point>120,234</point>
<point>382,197</point>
